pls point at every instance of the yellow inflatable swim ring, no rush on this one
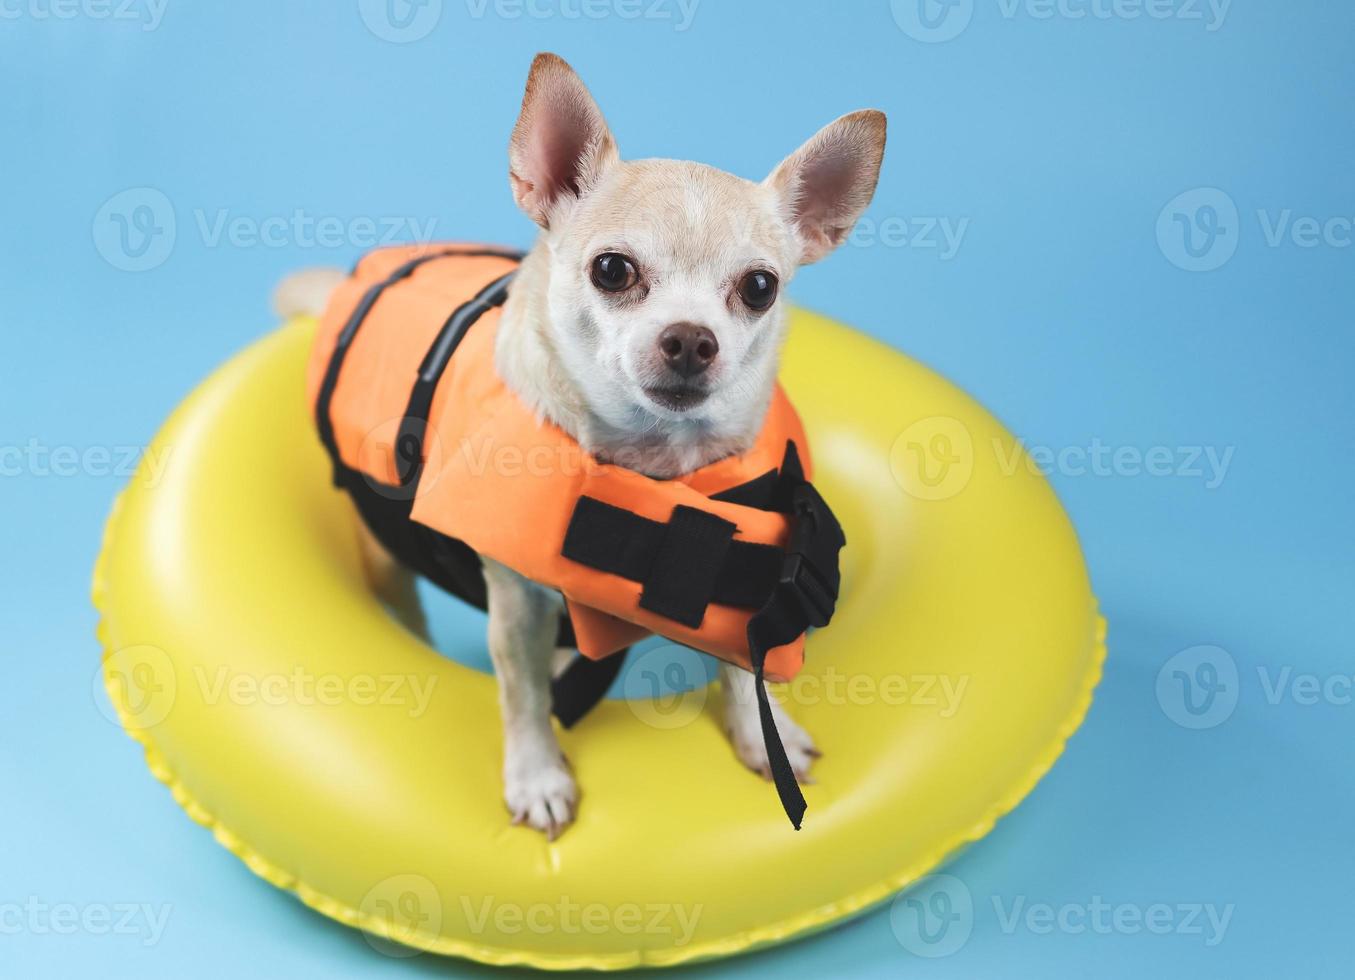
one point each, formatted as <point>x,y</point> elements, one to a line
<point>342,758</point>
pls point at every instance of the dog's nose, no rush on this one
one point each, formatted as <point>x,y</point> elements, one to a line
<point>688,348</point>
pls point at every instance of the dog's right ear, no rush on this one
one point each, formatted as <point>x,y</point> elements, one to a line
<point>561,144</point>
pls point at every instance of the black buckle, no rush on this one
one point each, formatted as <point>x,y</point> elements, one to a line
<point>805,585</point>
<point>812,538</point>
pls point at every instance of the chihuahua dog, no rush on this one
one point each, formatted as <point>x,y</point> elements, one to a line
<point>646,322</point>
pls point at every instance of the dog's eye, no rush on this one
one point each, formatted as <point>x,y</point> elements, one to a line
<point>613,272</point>
<point>758,289</point>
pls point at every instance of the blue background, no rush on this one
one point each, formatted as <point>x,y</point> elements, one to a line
<point>1060,139</point>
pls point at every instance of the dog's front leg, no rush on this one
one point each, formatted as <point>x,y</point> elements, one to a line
<point>523,619</point>
<point>743,725</point>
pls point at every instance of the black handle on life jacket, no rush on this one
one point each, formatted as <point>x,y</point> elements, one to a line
<point>409,447</point>
<point>324,422</point>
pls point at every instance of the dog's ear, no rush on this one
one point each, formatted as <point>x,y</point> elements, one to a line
<point>561,144</point>
<point>826,184</point>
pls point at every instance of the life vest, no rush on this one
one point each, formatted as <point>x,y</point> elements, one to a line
<point>446,464</point>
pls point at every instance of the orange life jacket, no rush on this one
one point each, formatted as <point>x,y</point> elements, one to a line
<point>445,462</point>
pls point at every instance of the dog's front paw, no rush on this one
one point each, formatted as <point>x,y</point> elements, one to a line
<point>744,727</point>
<point>540,791</point>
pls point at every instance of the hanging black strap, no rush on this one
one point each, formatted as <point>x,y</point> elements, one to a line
<point>805,596</point>
<point>693,560</point>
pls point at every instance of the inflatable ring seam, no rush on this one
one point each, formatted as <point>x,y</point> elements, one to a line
<point>811,922</point>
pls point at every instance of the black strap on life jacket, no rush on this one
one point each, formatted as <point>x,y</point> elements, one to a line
<point>582,685</point>
<point>693,560</point>
<point>683,565</point>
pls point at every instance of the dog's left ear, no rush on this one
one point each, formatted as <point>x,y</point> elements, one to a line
<point>561,144</point>
<point>826,184</point>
